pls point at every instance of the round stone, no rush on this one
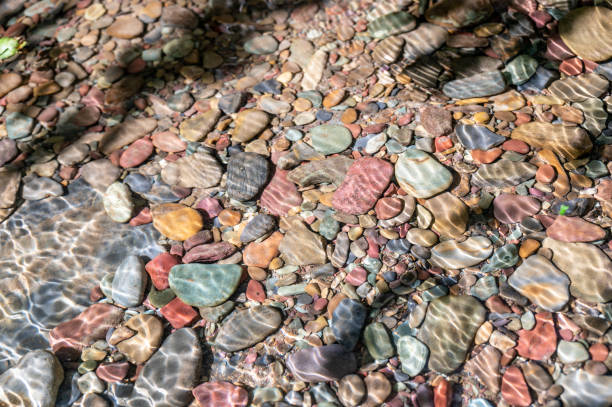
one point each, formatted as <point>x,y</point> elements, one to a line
<point>176,221</point>
<point>330,138</point>
<point>261,45</point>
<point>413,354</point>
<point>421,175</point>
<point>245,328</point>
<point>118,202</point>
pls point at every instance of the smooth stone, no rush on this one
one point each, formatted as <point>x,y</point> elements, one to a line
<point>422,41</point>
<point>181,101</point>
<point>520,69</point>
<point>378,389</point>
<point>485,366</point>
<point>388,207</point>
<point>8,82</point>
<point>504,257</point>
<point>448,343</point>
<point>232,102</point>
<point>322,364</point>
<point>280,195</point>
<point>271,86</point>
<point>176,221</point>
<point>388,50</point>
<point>347,321</point>
<point>168,142</point>
<point>579,88</point>
<point>586,31</point>
<point>478,85</point>
<point>595,115</point>
<point>330,138</point>
<point>583,388</point>
<point>18,125</point>
<point>179,359</point>
<point>118,204</point>
<point>126,133</point>
<point>329,227</point>
<point>138,183</point>
<point>261,45</point>
<point>247,174</point>
<point>474,137</point>
<point>450,215</point>
<point>313,72</point>
<point>220,393</point>
<point>179,17</point>
<point>178,47</point>
<point>569,142</point>
<point>571,352</point>
<point>208,253</point>
<point>259,226</point>
<point>484,288</point>
<point>422,237</point>
<point>448,13</point>
<point>536,376</point>
<point>540,342</point>
<point>377,341</point>
<point>300,246</point>
<point>452,255</point>
<point>89,383</point>
<point>511,208</point>
<point>247,327</point>
<point>413,355</point>
<point>503,173</point>
<point>421,175</point>
<point>514,389</point>
<point>589,269</point>
<point>40,188</point>
<point>572,230</point>
<point>9,186</point>
<point>436,120</point>
<point>365,181</point>
<point>33,381</point>
<point>198,170</point>
<point>197,127</point>
<point>8,150</point>
<point>129,282</point>
<point>391,24</point>
<point>330,170</point>
<point>73,154</point>
<point>273,106</point>
<point>125,27</point>
<point>204,285</point>
<point>149,332</point>
<point>351,390</point>
<point>248,124</point>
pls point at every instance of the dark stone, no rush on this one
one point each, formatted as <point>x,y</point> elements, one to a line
<point>247,174</point>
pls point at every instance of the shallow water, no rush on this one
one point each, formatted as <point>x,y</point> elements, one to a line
<point>52,253</point>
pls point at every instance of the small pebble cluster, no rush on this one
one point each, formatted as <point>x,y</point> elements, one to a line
<point>353,203</point>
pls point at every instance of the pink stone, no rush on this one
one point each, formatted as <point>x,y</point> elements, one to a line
<point>571,66</point>
<point>517,146</point>
<point>573,229</point>
<point>540,18</point>
<point>514,388</point>
<point>509,208</point>
<point>203,236</point>
<point>142,218</point>
<point>280,195</point>
<point>540,342</point>
<point>136,153</point>
<point>211,206</point>
<point>48,115</point>
<point>208,253</point>
<point>220,394</point>
<point>168,142</point>
<point>437,121</point>
<point>365,181</point>
<point>178,313</point>
<point>255,291</point>
<point>113,372</point>
<point>357,277</point>
<point>159,268</point>
<point>387,208</point>
<point>87,116</point>
<point>68,338</point>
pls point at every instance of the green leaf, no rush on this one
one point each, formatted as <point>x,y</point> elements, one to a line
<point>8,47</point>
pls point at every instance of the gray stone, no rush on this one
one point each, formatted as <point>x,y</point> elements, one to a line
<point>129,282</point>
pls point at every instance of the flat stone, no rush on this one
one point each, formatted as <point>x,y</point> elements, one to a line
<point>247,327</point>
<point>221,394</point>
<point>313,71</point>
<point>569,142</point>
<point>377,341</point>
<point>18,125</point>
<point>179,358</point>
<point>485,366</point>
<point>588,268</point>
<point>41,188</point>
<point>168,142</point>
<point>586,31</point>
<point>351,390</point>
<point>33,381</point>
<point>451,254</point>
<point>583,388</point>
<point>365,181</point>
<point>8,82</point>
<point>9,186</point>
<point>450,215</point>
<point>437,121</point>
<point>448,13</point>
<point>148,336</point>
<point>478,85</point>
<point>247,174</point>
<point>126,133</point>
<point>280,195</point>
<point>204,285</point>
<point>347,321</point>
<point>504,257</point>
<point>536,376</point>
<point>8,150</point>
<point>511,208</point>
<point>422,237</point>
<point>474,137</point>
<point>421,175</point>
<point>176,221</point>
<point>248,124</point>
<point>540,281</point>
<point>388,50</point>
<point>595,115</point>
<point>197,127</point>
<point>301,247</point>
<point>125,27</point>
<point>388,207</point>
<point>514,388</point>
<point>261,45</point>
<point>572,230</point>
<point>579,88</point>
<point>179,17</point>
<point>448,343</point>
<point>129,282</point>
<point>259,226</point>
<point>330,138</point>
<point>118,204</point>
<point>159,268</point>
<point>232,102</point>
<point>378,389</point>
<point>503,173</point>
<point>209,253</point>
<point>261,254</point>
<point>391,24</point>
<point>572,352</point>
<point>322,364</point>
<point>520,69</point>
<point>413,355</point>
<point>422,41</point>
<point>540,342</point>
<point>178,313</point>
<point>331,170</point>
<point>198,170</point>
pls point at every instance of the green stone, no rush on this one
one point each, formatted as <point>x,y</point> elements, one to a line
<point>413,354</point>
<point>159,298</point>
<point>204,285</point>
<point>390,24</point>
<point>520,69</point>
<point>377,341</point>
<point>330,138</point>
<point>329,227</point>
<point>216,314</point>
<point>504,257</point>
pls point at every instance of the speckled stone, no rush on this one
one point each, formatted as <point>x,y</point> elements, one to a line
<point>204,285</point>
<point>421,175</point>
<point>322,364</point>
<point>245,328</point>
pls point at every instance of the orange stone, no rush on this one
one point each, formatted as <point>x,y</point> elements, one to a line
<point>514,388</point>
<point>599,352</point>
<point>261,254</point>
<point>255,291</point>
<point>176,221</point>
<point>178,313</point>
<point>528,247</point>
<point>546,174</point>
<point>349,116</point>
<point>443,394</point>
<point>228,217</point>
<point>333,98</point>
<point>486,156</point>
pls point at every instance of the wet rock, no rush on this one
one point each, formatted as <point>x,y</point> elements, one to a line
<point>450,215</point>
<point>388,50</point>
<point>204,285</point>
<point>540,342</point>
<point>247,173</point>
<point>330,138</point>
<point>126,133</point>
<point>485,366</point>
<point>586,32</point>
<point>249,123</point>
<point>514,389</point>
<point>259,226</point>
<point>300,246</point>
<point>421,175</point>
<point>377,341</point>
<point>378,389</point>
<point>572,352</point>
<point>179,17</point>
<point>280,195</point>
<point>503,173</point>
<point>351,390</point>
<point>245,328</point>
<point>437,121</point>
<point>221,393</point>
<point>129,282</point>
<point>230,103</point>
<point>569,142</point>
<point>18,125</point>
<point>117,200</point>
<point>520,69</point>
<point>422,41</point>
<point>8,82</point>
<point>261,45</point>
<point>208,253</point>
<point>391,24</point>
<point>168,142</point>
<point>579,88</point>
<point>313,72</point>
<point>197,170</point>
<point>34,380</point>
<point>331,170</point>
<point>125,27</point>
<point>176,221</point>
<point>148,333</point>
<point>197,127</point>
<point>41,188</point>
<point>457,255</point>
<point>347,322</point>
<point>511,208</point>
<point>322,364</point>
<point>448,343</point>
<point>581,387</point>
<point>413,354</point>
<point>9,186</point>
<point>448,13</point>
<point>8,150</point>
<point>482,84</point>
<point>572,229</point>
<point>474,137</point>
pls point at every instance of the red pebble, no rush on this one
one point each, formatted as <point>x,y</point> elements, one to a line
<point>136,66</point>
<point>443,143</point>
<point>142,218</point>
<point>514,388</point>
<point>405,119</point>
<point>486,156</point>
<point>113,372</point>
<point>220,394</point>
<point>357,276</point>
<point>521,118</point>
<point>540,342</point>
<point>443,393</point>
<point>211,206</point>
<point>255,291</point>
<point>159,268</point>
<point>178,313</point>
<point>136,153</point>
<point>355,129</point>
<point>599,352</point>
<point>518,146</point>
<point>571,66</point>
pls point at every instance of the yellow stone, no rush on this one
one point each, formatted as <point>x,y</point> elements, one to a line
<point>285,77</point>
<point>528,247</point>
<point>302,104</point>
<point>94,12</point>
<point>545,100</point>
<point>471,101</point>
<point>176,221</point>
<point>481,117</point>
<point>326,199</point>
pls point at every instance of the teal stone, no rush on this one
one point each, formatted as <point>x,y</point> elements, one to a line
<point>330,138</point>
<point>160,298</point>
<point>371,264</point>
<point>504,257</point>
<point>293,289</point>
<point>421,175</point>
<point>204,285</point>
<point>391,24</point>
<point>19,125</point>
<point>329,227</point>
<point>434,292</point>
<point>520,69</point>
<point>313,96</point>
<point>394,147</point>
<point>377,341</point>
<point>413,355</point>
<point>484,288</point>
<point>403,330</point>
<point>151,55</point>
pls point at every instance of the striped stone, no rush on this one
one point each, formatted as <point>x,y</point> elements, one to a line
<point>388,50</point>
<point>579,88</point>
<point>280,195</point>
<point>198,170</point>
<point>451,254</point>
<point>483,84</point>
<point>391,24</point>
<point>451,14</point>
<point>423,41</point>
<point>245,328</point>
<point>424,72</point>
<point>595,115</point>
<point>404,216</point>
<point>248,124</point>
<point>247,174</point>
<point>569,142</point>
<point>588,33</point>
<point>314,71</point>
<point>503,173</point>
<point>474,137</point>
<point>126,133</point>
